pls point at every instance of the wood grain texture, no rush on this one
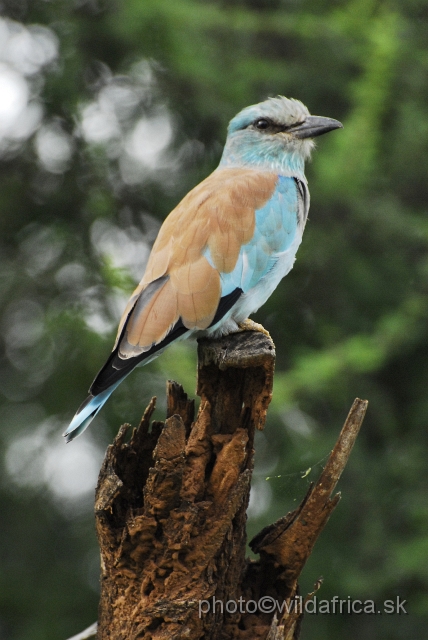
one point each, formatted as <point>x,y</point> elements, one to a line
<point>171,503</point>
<point>171,510</point>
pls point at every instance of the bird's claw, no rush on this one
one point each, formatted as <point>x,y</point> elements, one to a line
<point>250,325</point>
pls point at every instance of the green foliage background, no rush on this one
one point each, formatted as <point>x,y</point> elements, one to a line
<point>350,320</point>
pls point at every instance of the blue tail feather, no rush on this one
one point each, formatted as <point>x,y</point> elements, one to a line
<point>87,412</point>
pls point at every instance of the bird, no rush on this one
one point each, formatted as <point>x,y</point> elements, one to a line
<point>224,248</point>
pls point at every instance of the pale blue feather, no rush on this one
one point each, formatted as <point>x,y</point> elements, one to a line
<point>84,417</point>
<point>275,230</point>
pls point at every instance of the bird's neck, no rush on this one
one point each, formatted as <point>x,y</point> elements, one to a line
<point>271,158</point>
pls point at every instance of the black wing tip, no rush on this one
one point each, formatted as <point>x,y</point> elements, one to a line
<point>117,368</point>
<point>225,304</point>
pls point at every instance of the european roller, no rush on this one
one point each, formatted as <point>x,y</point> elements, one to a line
<point>223,250</point>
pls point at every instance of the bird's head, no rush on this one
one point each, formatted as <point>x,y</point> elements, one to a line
<point>276,134</point>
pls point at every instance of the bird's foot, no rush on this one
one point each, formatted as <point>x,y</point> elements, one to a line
<point>250,325</point>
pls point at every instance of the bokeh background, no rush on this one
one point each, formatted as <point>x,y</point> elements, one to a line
<point>110,111</point>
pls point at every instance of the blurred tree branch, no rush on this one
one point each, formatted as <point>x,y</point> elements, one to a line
<point>171,510</point>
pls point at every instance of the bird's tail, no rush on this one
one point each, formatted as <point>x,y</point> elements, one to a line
<point>86,413</point>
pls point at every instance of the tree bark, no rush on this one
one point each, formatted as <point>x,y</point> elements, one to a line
<point>171,511</point>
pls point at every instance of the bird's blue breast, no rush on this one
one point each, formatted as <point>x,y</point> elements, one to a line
<point>276,225</point>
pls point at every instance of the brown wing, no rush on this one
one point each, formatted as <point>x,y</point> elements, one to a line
<point>218,215</point>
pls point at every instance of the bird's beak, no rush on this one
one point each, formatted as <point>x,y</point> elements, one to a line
<point>314,126</point>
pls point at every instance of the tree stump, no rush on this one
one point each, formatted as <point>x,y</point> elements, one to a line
<point>171,511</point>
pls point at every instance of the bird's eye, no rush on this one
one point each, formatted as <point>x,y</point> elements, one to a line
<point>262,124</point>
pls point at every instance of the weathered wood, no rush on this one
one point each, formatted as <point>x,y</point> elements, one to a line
<point>171,502</point>
<point>291,539</point>
<point>285,546</point>
<point>171,511</point>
